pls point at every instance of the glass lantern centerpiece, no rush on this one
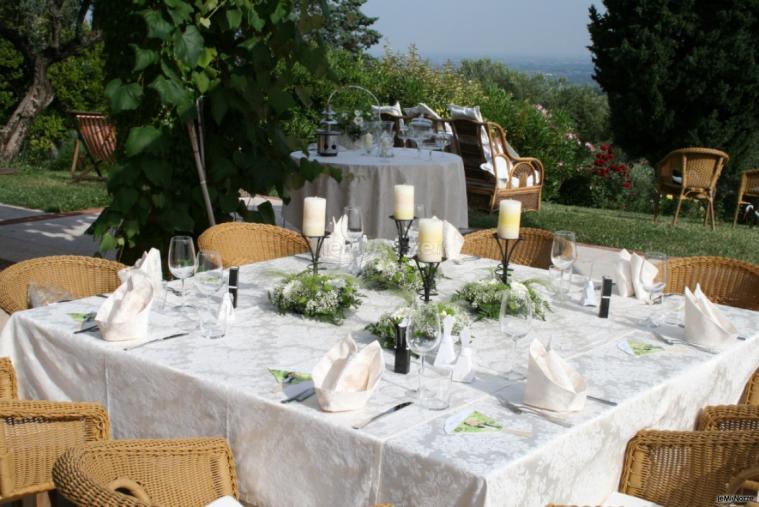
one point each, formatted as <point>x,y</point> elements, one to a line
<point>359,130</point>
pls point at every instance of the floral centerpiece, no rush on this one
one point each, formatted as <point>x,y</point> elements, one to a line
<point>385,325</point>
<point>483,298</point>
<point>322,297</point>
<point>354,125</point>
<point>383,271</point>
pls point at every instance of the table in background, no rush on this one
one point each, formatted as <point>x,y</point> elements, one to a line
<point>368,181</point>
<point>295,454</point>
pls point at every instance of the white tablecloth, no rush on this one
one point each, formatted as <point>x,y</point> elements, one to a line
<point>368,182</point>
<point>295,454</point>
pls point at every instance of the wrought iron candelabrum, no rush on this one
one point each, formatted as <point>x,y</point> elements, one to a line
<point>402,226</point>
<point>506,246</point>
<point>314,248</point>
<point>427,270</point>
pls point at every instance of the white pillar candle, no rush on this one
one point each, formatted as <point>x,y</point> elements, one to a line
<point>430,242</point>
<point>314,216</point>
<point>404,202</point>
<point>509,215</point>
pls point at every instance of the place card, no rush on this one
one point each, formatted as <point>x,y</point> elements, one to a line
<point>81,317</point>
<point>472,421</point>
<point>638,347</point>
<point>289,376</point>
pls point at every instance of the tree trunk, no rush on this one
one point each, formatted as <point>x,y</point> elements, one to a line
<point>38,96</point>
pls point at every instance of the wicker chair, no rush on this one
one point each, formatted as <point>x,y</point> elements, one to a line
<point>729,418</point>
<point>244,243</point>
<point>519,178</point>
<point>724,281</point>
<point>749,188</point>
<point>699,169</point>
<point>534,249</point>
<point>34,434</point>
<point>82,276</point>
<point>750,394</point>
<point>170,473</point>
<point>8,387</point>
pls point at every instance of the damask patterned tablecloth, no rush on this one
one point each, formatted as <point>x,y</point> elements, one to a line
<point>368,182</point>
<point>295,454</point>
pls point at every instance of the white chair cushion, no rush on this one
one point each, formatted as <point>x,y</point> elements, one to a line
<point>467,113</point>
<point>394,109</point>
<point>422,109</point>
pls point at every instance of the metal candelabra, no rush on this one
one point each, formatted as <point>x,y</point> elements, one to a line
<point>427,270</point>
<point>506,246</point>
<point>315,251</point>
<point>402,226</point>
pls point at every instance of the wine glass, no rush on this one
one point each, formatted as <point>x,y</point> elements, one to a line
<point>442,139</point>
<point>209,279</point>
<point>404,133</point>
<point>423,336</point>
<point>654,283</point>
<point>563,252</point>
<point>182,263</point>
<point>352,228</point>
<point>515,319</point>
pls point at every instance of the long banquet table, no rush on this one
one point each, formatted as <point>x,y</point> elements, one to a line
<point>295,454</point>
<point>368,181</point>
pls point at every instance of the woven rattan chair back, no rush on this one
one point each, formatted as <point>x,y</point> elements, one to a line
<point>750,394</point>
<point>33,434</point>
<point>748,189</point>
<point>81,276</point>
<point>729,418</point>
<point>169,473</point>
<point>534,249</point>
<point>724,281</point>
<point>244,243</point>
<point>8,386</point>
<point>686,468</point>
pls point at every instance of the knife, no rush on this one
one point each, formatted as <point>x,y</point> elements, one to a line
<point>177,335</point>
<point>302,396</point>
<point>382,414</point>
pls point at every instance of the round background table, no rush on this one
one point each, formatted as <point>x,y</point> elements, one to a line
<point>368,181</point>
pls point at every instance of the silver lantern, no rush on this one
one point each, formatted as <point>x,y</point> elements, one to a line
<point>326,136</point>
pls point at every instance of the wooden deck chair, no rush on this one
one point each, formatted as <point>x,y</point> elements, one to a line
<point>98,136</point>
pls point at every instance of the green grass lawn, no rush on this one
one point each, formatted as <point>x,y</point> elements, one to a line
<point>51,191</point>
<point>637,231</point>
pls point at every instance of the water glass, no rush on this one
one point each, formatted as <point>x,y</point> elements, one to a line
<point>182,263</point>
<point>515,319</point>
<point>423,336</point>
<point>556,274</point>
<point>209,280</point>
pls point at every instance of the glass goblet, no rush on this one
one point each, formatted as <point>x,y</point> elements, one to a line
<point>515,319</point>
<point>423,336</point>
<point>182,264</point>
<point>209,279</point>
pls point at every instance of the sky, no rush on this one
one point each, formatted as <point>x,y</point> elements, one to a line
<point>506,28</point>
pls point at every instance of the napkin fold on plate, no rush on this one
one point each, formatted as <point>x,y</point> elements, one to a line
<point>551,383</point>
<point>641,269</point>
<point>705,324</point>
<point>124,314</point>
<point>150,265</point>
<point>345,378</point>
<point>334,248</point>
<point>225,501</point>
<point>624,274</point>
<point>453,241</point>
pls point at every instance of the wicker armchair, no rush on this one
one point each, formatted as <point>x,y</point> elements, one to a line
<point>519,178</point>
<point>750,394</point>
<point>749,188</point>
<point>244,243</point>
<point>729,418</point>
<point>699,169</point>
<point>170,473</point>
<point>724,281</point>
<point>82,276</point>
<point>34,434</point>
<point>8,387</point>
<point>534,249</point>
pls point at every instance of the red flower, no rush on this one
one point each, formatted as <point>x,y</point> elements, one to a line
<point>628,185</point>
<point>604,147</point>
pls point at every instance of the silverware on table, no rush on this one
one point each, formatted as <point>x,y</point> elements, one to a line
<point>678,341</point>
<point>519,408</point>
<point>177,335</point>
<point>86,329</point>
<point>301,396</point>
<point>395,408</point>
<point>602,400</point>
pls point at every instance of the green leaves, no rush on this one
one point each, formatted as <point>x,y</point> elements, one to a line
<point>171,92</point>
<point>158,27</point>
<point>143,57</point>
<point>233,17</point>
<point>140,138</point>
<point>123,97</point>
<point>188,45</point>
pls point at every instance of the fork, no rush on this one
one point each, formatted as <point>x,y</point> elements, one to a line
<point>677,341</point>
<point>520,409</point>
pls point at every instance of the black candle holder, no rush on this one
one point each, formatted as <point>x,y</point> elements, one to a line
<point>506,246</point>
<point>315,252</point>
<point>402,226</point>
<point>428,270</point>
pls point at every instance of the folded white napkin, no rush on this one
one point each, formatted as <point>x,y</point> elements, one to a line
<point>446,355</point>
<point>225,501</point>
<point>551,383</point>
<point>124,314</point>
<point>588,297</point>
<point>345,378</point>
<point>705,324</point>
<point>624,275</point>
<point>149,264</point>
<point>617,499</point>
<point>334,248</point>
<point>463,370</point>
<point>639,264</point>
<point>453,241</point>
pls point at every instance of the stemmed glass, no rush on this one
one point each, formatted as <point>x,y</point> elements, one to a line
<point>404,133</point>
<point>563,253</point>
<point>182,263</point>
<point>423,336</point>
<point>209,279</point>
<point>352,228</point>
<point>441,140</point>
<point>421,129</point>
<point>654,284</point>
<point>515,319</point>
